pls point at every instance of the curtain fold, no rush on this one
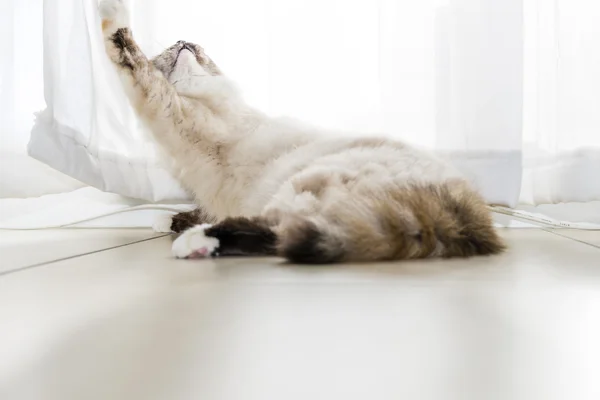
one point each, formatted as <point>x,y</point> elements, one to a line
<point>88,130</point>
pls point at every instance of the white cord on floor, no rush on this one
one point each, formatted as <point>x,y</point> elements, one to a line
<point>143,207</point>
<point>544,220</point>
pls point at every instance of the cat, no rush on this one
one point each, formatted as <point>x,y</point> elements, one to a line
<point>269,186</point>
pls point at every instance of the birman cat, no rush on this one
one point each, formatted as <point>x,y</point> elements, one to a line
<point>272,186</point>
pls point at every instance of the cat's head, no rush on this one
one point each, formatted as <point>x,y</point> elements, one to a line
<point>184,62</point>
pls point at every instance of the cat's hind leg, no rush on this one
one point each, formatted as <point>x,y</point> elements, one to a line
<point>230,237</point>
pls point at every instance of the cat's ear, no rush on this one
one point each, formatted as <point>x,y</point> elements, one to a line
<point>114,14</point>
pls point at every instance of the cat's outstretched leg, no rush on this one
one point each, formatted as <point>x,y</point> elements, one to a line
<point>183,221</point>
<point>230,237</point>
<point>150,93</point>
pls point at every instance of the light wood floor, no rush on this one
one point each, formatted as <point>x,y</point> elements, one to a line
<point>108,315</point>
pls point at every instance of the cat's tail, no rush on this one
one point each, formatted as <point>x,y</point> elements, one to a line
<point>449,220</point>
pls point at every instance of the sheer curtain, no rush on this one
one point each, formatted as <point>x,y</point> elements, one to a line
<point>443,74</point>
<point>561,134</point>
<point>506,89</point>
<point>21,84</point>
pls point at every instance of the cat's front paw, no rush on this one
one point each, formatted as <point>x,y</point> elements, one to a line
<point>194,243</point>
<point>114,14</point>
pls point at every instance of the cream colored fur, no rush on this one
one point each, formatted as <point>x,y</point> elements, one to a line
<point>239,162</point>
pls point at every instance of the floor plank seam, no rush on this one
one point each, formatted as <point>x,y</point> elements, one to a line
<point>42,264</point>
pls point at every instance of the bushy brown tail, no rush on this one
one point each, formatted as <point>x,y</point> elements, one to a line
<point>419,222</point>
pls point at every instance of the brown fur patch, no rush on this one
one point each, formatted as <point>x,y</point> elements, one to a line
<point>244,236</point>
<point>401,222</point>
<point>304,243</point>
<point>185,220</point>
<point>451,213</point>
<point>473,232</point>
<point>129,53</point>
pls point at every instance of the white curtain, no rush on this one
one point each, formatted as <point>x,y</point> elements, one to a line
<point>21,93</point>
<point>561,131</point>
<point>88,129</point>
<point>441,74</point>
<point>508,89</point>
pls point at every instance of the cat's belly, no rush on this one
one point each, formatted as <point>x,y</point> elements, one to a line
<point>337,179</point>
<point>281,169</point>
<point>368,162</point>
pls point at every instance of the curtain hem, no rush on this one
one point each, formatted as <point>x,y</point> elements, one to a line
<point>57,146</point>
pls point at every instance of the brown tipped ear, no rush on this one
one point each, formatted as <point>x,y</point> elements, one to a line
<point>204,60</point>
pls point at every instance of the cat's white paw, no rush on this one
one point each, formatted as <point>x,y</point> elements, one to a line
<point>114,13</point>
<point>162,223</point>
<point>193,243</point>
